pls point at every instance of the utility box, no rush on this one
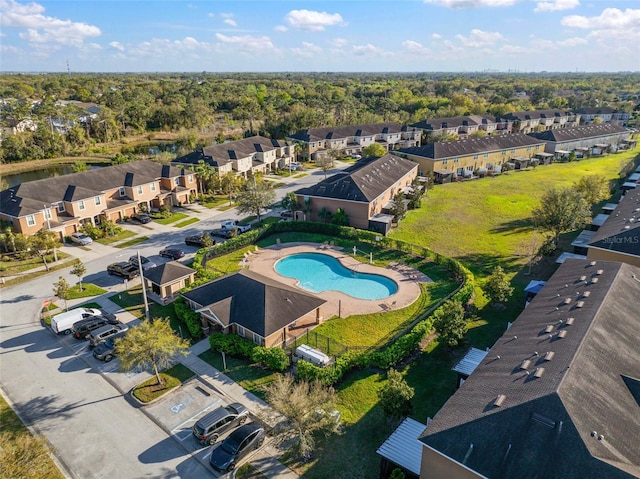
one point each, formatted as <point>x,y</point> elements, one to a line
<point>314,356</point>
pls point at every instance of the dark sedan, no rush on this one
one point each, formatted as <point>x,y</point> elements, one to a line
<point>172,253</point>
<point>236,446</point>
<point>199,240</point>
<point>142,218</point>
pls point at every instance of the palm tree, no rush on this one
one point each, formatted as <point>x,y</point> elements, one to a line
<point>307,208</point>
<point>290,202</point>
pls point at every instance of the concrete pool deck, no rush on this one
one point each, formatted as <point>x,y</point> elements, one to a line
<point>338,303</point>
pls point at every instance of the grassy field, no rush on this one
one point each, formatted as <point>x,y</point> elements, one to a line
<point>188,222</point>
<point>88,289</point>
<point>132,242</point>
<point>21,454</point>
<point>10,266</point>
<point>172,219</point>
<point>124,234</point>
<point>172,378</point>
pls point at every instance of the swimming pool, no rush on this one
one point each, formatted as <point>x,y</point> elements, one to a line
<point>317,272</point>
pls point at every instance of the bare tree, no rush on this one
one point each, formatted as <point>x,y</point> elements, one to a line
<point>79,270</point>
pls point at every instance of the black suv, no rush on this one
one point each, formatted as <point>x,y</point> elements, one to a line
<point>198,240</point>
<point>208,428</point>
<point>124,270</point>
<point>83,328</point>
<point>225,456</point>
<point>142,218</point>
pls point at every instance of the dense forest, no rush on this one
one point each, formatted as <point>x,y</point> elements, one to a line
<point>206,107</point>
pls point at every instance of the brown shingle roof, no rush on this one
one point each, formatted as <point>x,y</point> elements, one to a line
<point>364,181</point>
<point>337,132</point>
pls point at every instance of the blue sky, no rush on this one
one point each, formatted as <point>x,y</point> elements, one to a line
<point>349,36</point>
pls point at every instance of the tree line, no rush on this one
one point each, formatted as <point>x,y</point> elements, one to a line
<point>274,105</point>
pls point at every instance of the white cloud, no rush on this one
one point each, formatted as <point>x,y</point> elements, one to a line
<point>556,5</point>
<point>312,20</point>
<point>280,28</point>
<point>415,47</point>
<point>572,42</point>
<point>339,42</point>
<point>368,49</point>
<point>230,21</point>
<point>436,36</point>
<point>247,43</point>
<point>308,50</point>
<point>117,46</point>
<point>478,38</point>
<point>41,28</point>
<point>609,19</point>
<point>471,3</point>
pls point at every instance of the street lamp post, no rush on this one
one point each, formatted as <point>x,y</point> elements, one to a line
<point>144,290</point>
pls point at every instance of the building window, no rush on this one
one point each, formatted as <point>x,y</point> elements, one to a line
<point>475,157</point>
<point>140,189</point>
<point>513,150</point>
<point>31,221</point>
<point>81,205</point>
<point>47,214</point>
<point>469,168</point>
<point>444,162</point>
<point>486,155</point>
<point>122,191</point>
<point>61,207</point>
<point>455,160</point>
<point>176,181</point>
<point>190,178</point>
<point>257,338</point>
<point>241,331</point>
<point>153,187</point>
<point>97,200</point>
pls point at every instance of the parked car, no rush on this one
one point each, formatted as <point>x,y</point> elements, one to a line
<point>295,165</point>
<point>209,428</point>
<point>172,253</point>
<point>146,262</point>
<point>81,329</point>
<point>106,351</point>
<point>226,455</point>
<point>141,218</point>
<point>198,240</point>
<point>81,238</point>
<point>124,270</point>
<point>355,156</point>
<point>103,333</point>
<point>234,225</point>
<point>62,323</point>
<point>286,214</point>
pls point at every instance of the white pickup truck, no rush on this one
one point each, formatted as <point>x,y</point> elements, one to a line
<point>234,224</point>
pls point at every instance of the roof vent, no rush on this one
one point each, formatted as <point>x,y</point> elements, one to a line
<point>600,271</point>
<point>538,372</point>
<point>549,356</point>
<point>548,329</point>
<point>570,321</point>
<point>594,280</point>
<point>499,400</point>
<point>583,278</point>
<point>593,263</point>
<point>567,300</point>
<point>579,304</point>
<point>586,294</point>
<point>600,437</point>
<point>562,333</point>
<point>525,364</point>
<point>594,433</point>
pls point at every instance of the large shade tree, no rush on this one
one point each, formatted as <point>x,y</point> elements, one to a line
<point>561,210</point>
<point>256,197</point>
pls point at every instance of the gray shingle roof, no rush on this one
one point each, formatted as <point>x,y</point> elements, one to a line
<point>168,273</point>
<point>364,181</point>
<point>30,197</point>
<point>543,427</point>
<point>469,146</point>
<point>254,301</point>
<point>336,132</point>
<point>453,122</point>
<point>621,231</point>
<point>537,114</point>
<point>219,155</point>
<point>580,132</point>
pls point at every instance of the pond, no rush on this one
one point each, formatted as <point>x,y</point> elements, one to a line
<point>154,148</point>
<point>15,179</point>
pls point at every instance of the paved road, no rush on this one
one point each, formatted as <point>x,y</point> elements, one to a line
<point>94,431</point>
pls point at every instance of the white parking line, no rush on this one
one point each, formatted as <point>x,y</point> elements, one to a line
<point>179,426</point>
<point>186,434</point>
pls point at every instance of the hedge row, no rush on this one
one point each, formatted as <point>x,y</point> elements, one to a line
<point>275,359</point>
<point>189,317</point>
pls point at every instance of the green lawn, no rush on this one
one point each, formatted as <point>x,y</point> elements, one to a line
<point>124,234</point>
<point>10,266</point>
<point>133,302</point>
<point>172,219</point>
<point>88,289</point>
<point>242,371</point>
<point>132,242</point>
<point>188,222</point>
<point>172,378</point>
<point>21,454</point>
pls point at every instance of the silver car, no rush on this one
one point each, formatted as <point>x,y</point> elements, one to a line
<point>81,238</point>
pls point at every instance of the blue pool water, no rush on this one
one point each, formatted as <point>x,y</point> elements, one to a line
<point>318,272</point>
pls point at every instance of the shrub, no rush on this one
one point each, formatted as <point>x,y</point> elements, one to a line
<point>273,358</point>
<point>189,317</point>
<point>231,344</point>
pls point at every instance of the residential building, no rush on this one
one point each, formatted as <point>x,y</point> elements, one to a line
<point>540,120</point>
<point>583,140</point>
<point>63,203</point>
<point>558,395</point>
<point>463,126</point>
<point>605,114</point>
<point>253,306</point>
<point>618,238</point>
<point>352,139</point>
<point>164,281</point>
<point>363,191</point>
<point>245,157</point>
<point>465,158</point>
